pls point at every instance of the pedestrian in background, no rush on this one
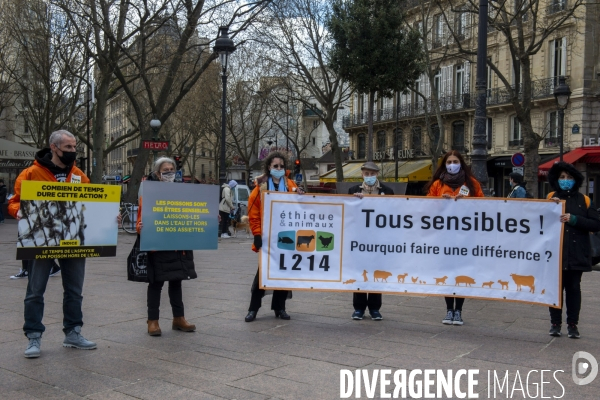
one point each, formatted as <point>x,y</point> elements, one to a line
<point>3,193</point>
<point>24,271</point>
<point>518,186</point>
<point>580,218</point>
<point>56,164</point>
<point>226,207</point>
<point>453,179</point>
<point>274,179</point>
<point>370,186</point>
<point>173,266</point>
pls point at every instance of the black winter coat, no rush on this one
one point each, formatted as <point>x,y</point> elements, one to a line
<point>170,265</point>
<point>382,189</point>
<point>3,193</point>
<point>576,249</point>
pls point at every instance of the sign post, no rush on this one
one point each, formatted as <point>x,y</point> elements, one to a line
<point>517,160</point>
<point>157,145</point>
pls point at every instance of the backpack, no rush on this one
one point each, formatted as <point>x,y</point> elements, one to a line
<point>587,199</point>
<point>528,195</point>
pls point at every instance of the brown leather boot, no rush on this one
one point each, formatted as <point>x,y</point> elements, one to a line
<point>153,328</point>
<point>179,323</point>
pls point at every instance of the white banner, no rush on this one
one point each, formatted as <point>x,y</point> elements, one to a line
<point>490,248</point>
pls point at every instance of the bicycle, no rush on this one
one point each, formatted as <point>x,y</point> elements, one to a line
<point>128,217</point>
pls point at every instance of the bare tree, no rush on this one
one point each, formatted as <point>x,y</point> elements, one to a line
<point>46,68</point>
<point>303,46</point>
<point>167,57</point>
<point>435,93</point>
<point>195,124</point>
<point>525,26</point>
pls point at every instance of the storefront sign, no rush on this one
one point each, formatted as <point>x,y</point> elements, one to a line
<point>591,142</point>
<point>389,154</point>
<point>155,144</point>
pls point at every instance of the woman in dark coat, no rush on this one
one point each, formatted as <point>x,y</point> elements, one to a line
<point>171,266</point>
<point>580,218</point>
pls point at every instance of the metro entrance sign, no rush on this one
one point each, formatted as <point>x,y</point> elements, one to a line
<point>155,144</point>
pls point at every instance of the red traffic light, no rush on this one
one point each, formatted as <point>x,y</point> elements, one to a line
<point>297,162</point>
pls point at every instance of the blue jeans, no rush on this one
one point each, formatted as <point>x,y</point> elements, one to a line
<point>72,274</point>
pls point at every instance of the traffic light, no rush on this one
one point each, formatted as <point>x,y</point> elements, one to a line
<point>178,162</point>
<point>297,166</point>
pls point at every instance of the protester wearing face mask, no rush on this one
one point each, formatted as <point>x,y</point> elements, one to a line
<point>273,179</point>
<point>371,185</point>
<point>580,218</point>
<point>172,266</point>
<point>450,177</point>
<point>517,186</point>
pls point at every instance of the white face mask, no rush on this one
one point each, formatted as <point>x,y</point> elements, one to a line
<point>167,176</point>
<point>453,168</point>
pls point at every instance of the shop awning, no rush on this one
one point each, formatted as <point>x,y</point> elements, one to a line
<point>590,155</point>
<point>16,155</point>
<point>408,171</point>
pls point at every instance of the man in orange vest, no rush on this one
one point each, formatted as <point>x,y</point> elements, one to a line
<point>55,164</point>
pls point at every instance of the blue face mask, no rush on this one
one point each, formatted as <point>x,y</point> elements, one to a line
<point>566,184</point>
<point>277,173</point>
<point>370,180</point>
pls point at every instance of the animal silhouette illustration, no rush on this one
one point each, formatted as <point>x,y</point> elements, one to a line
<point>488,284</point>
<point>467,280</point>
<point>524,280</point>
<point>364,274</point>
<point>304,240</point>
<point>383,275</point>
<point>286,240</point>
<point>401,277</point>
<point>504,284</point>
<point>325,242</point>
<point>441,280</point>
<point>543,291</point>
<point>414,279</point>
<point>349,281</point>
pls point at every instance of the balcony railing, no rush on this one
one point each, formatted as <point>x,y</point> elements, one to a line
<point>412,110</point>
<point>310,113</point>
<point>551,142</point>
<point>556,6</point>
<point>515,143</point>
<point>539,89</point>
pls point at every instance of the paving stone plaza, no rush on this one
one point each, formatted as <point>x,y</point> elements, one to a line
<point>227,358</point>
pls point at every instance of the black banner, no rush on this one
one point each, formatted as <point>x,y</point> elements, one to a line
<point>50,253</point>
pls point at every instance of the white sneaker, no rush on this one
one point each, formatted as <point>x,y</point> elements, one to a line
<point>225,236</point>
<point>22,274</point>
<point>449,317</point>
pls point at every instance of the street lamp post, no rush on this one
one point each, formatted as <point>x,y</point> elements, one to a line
<point>396,138</point>
<point>155,125</point>
<point>479,156</point>
<point>562,93</point>
<point>224,47</point>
